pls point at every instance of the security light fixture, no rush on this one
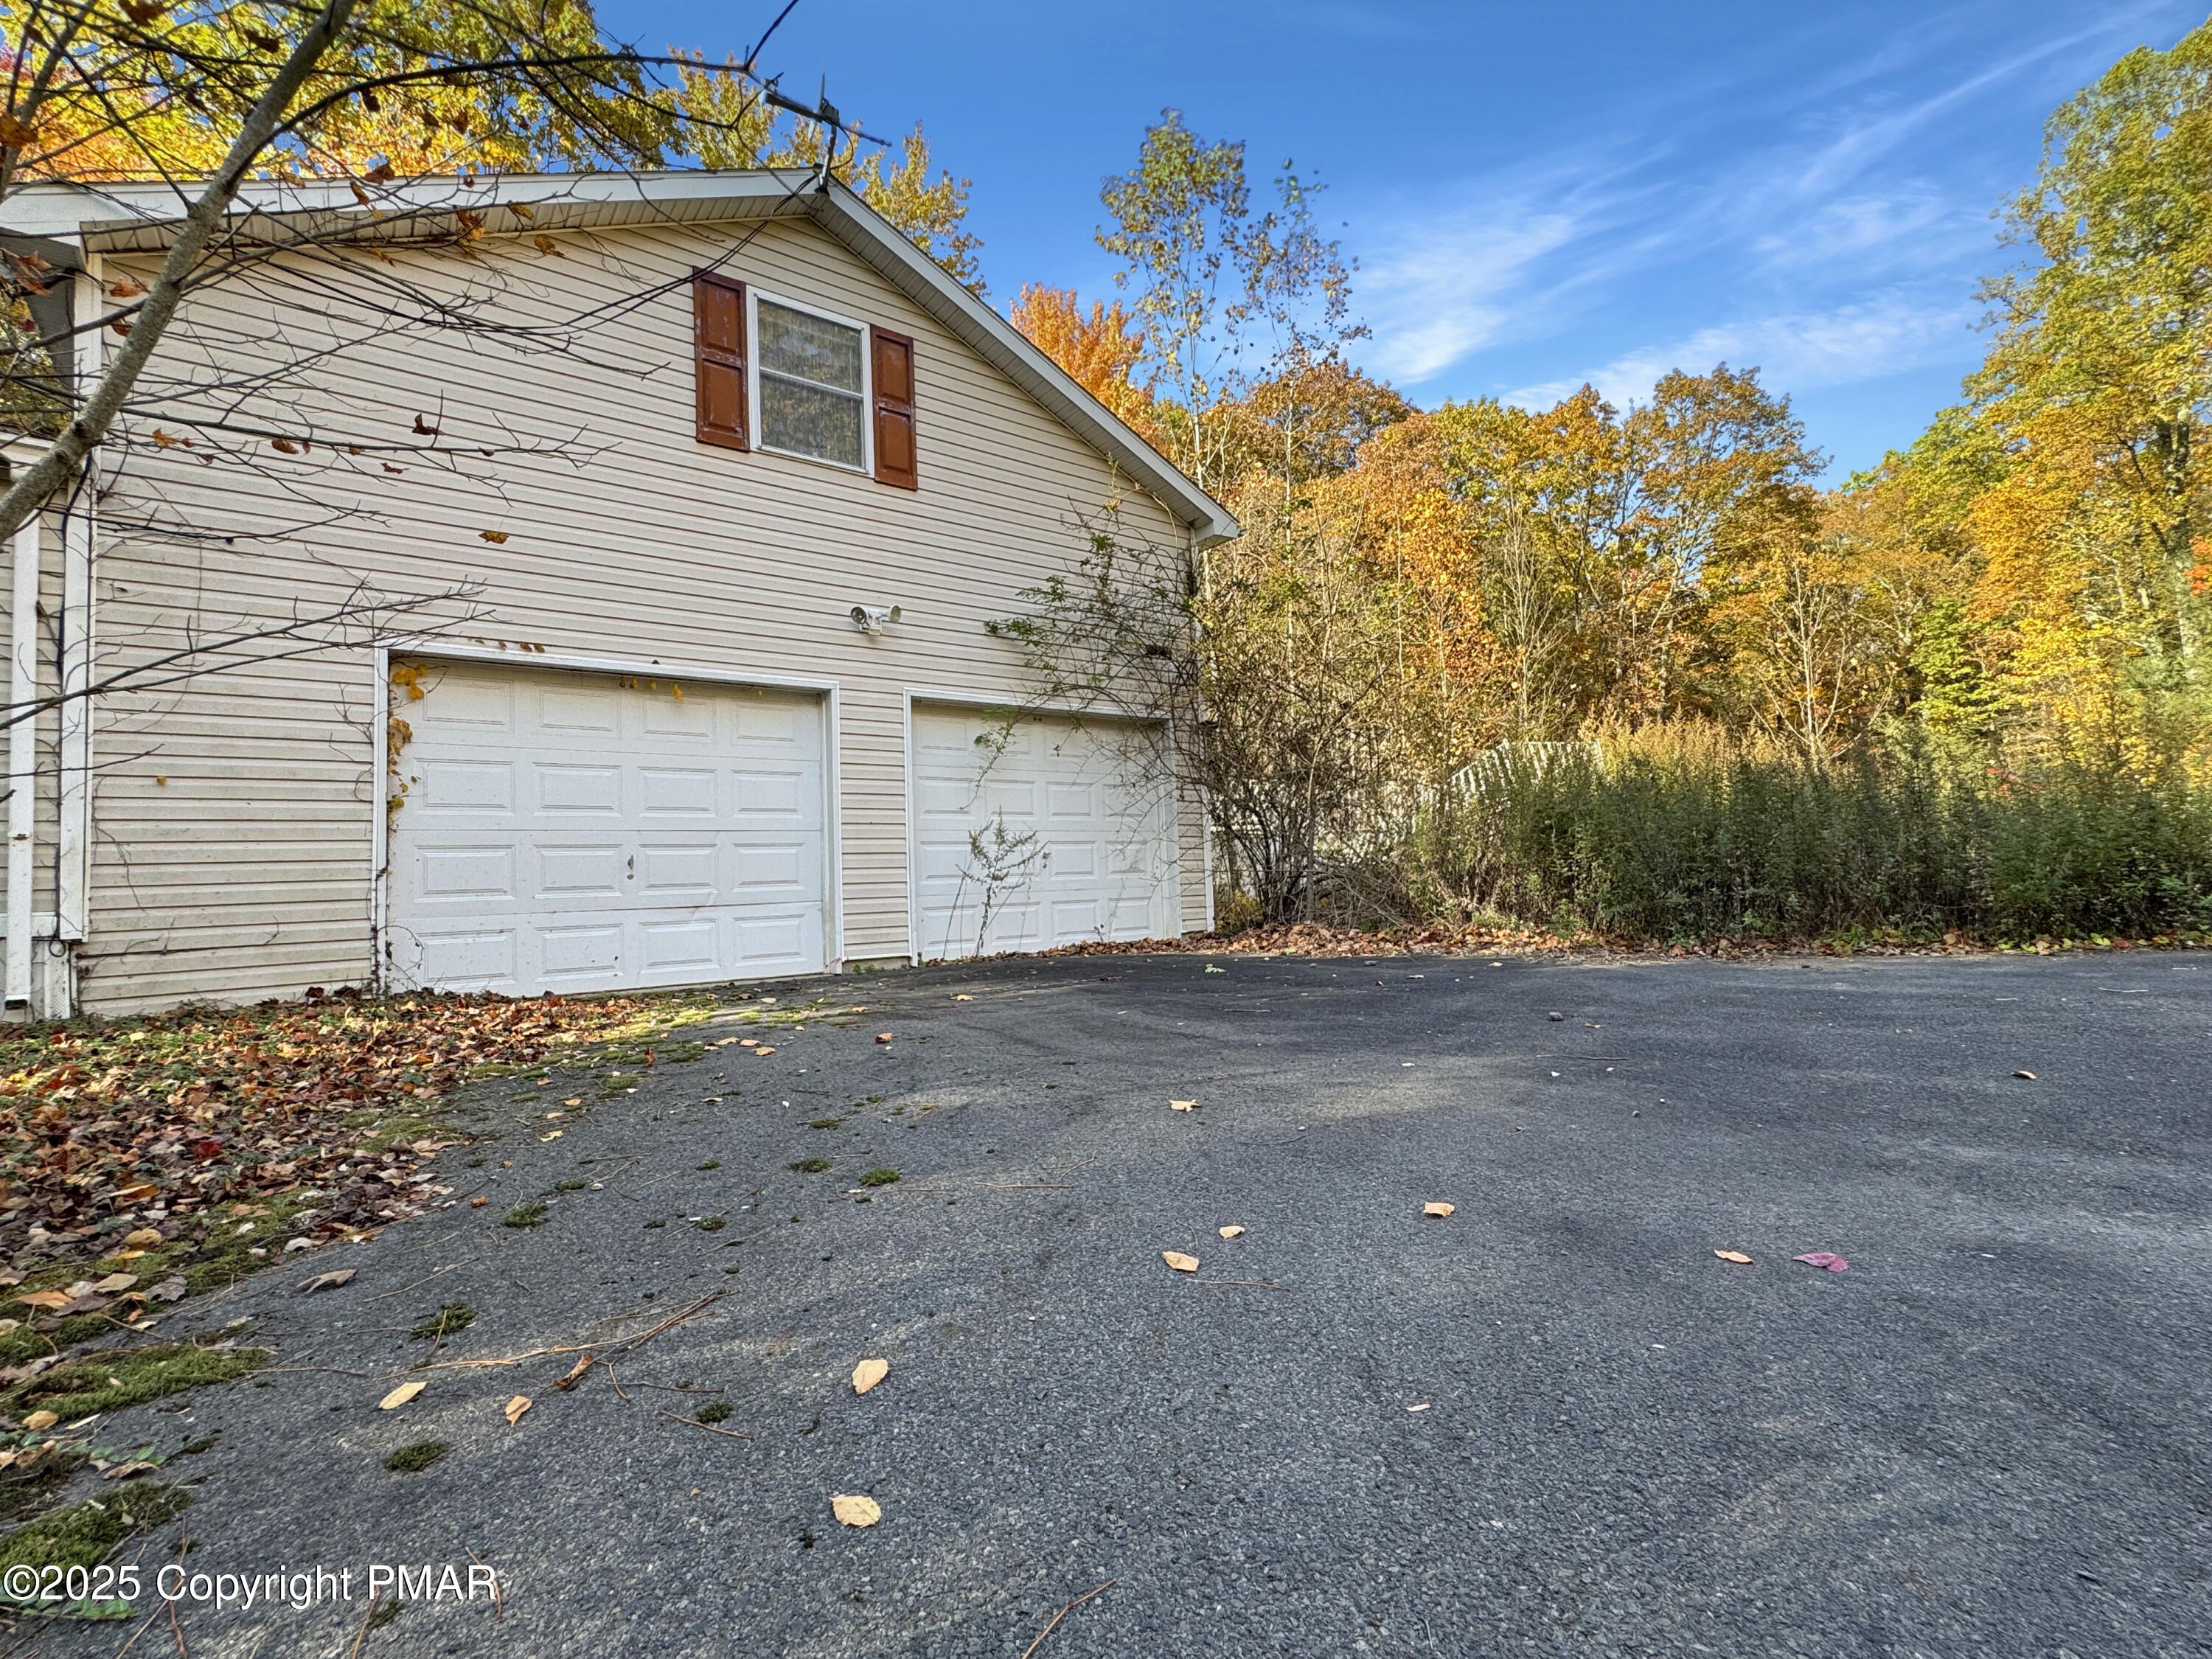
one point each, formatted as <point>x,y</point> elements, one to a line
<point>871,618</point>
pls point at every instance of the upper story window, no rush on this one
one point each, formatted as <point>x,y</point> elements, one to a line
<point>813,385</point>
<point>776,375</point>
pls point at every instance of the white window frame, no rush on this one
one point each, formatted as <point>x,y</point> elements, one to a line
<point>753,297</point>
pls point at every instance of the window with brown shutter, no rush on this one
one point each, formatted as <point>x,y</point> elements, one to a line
<point>895,462</point>
<point>718,315</point>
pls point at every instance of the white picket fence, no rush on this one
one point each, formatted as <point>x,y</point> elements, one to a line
<point>1489,773</point>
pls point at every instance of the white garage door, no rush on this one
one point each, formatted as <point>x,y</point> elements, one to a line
<point>594,832</point>
<point>1064,836</point>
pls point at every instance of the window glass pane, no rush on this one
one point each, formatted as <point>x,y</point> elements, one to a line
<point>809,420</point>
<point>809,348</point>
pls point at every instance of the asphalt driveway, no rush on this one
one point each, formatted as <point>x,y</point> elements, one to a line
<point>1551,1422</point>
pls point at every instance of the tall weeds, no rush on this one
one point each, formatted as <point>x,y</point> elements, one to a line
<point>1674,833</point>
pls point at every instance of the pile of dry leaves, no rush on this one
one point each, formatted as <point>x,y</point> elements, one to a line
<point>1314,938</point>
<point>137,1124</point>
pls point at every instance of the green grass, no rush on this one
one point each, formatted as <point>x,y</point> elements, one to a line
<point>714,1411</point>
<point>85,1535</point>
<point>812,1166</point>
<point>417,1457</point>
<point>525,1215</point>
<point>453,1316</point>
<point>109,1379</point>
<point>879,1177</point>
<point>710,1224</point>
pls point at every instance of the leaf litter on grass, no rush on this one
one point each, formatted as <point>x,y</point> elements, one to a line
<point>170,1118</point>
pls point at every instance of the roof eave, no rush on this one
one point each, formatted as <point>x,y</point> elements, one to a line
<point>868,235</point>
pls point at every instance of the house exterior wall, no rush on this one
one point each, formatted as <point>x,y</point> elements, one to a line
<point>237,810</point>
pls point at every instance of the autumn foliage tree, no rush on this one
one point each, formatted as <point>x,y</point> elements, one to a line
<point>2024,587</point>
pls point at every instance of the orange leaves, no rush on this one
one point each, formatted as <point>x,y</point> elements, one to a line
<point>1102,351</point>
<point>249,1104</point>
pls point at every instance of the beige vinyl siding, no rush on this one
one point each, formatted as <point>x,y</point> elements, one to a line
<point>248,873</point>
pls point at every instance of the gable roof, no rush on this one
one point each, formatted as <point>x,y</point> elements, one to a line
<point>139,218</point>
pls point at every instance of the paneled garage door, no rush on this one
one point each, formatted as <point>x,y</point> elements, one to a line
<point>585,832</point>
<point>1067,834</point>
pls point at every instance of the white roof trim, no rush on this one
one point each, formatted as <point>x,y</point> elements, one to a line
<point>133,217</point>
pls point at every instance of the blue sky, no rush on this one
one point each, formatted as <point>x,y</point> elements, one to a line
<point>1538,194</point>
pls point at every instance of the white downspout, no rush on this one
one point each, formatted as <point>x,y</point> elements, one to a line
<point>72,897</point>
<point>22,760</point>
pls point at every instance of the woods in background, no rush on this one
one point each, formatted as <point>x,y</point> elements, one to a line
<point>2010,611</point>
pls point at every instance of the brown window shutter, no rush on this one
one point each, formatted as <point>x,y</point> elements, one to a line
<point>718,338</point>
<point>895,462</point>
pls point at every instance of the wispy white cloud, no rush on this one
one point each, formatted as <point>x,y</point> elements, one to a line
<point>1438,293</point>
<point>1852,343</point>
<point>1504,262</point>
<point>1834,245</point>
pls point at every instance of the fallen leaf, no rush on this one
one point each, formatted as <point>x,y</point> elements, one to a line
<point>400,1395</point>
<point>1232,1232</point>
<point>1184,1105</point>
<point>882,1036</point>
<point>169,1289</point>
<point>963,997</point>
<point>515,1408</point>
<point>853,1509</point>
<point>1437,1209</point>
<point>478,1202</point>
<point>763,1049</point>
<point>1736,1256</point>
<point>328,1281</point>
<point>1423,1407</point>
<point>44,1298</point>
<point>868,1373</point>
<point>41,1420</point>
<point>115,1282</point>
<point>1180,1262</point>
<point>578,1101</point>
<point>137,1192</point>
<point>493,536</point>
<point>145,1239</point>
<point>1828,1259</point>
<point>575,1374</point>
<point>124,1471</point>
<point>2030,1076</point>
